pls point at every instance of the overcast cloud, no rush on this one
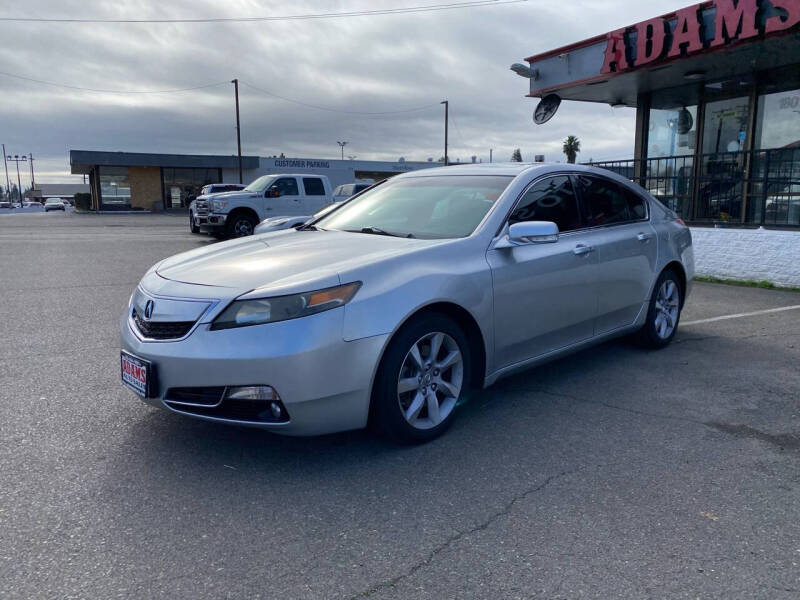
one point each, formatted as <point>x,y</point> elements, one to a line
<point>370,63</point>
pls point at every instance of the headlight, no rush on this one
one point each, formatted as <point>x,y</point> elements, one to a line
<point>242,313</point>
<point>217,204</point>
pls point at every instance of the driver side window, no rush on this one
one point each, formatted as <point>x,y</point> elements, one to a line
<point>551,199</point>
<point>285,187</point>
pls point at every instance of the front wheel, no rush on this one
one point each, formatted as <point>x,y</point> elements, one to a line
<point>424,374</point>
<point>192,227</point>
<point>664,312</point>
<point>240,225</point>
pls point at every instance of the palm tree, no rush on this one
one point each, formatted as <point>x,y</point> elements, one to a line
<point>516,156</point>
<point>572,146</point>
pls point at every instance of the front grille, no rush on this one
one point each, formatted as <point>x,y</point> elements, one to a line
<point>202,207</point>
<point>206,396</point>
<point>160,330</point>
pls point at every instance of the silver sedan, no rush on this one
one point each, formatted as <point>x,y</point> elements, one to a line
<point>389,310</point>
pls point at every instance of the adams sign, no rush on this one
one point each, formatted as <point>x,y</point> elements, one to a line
<point>695,29</point>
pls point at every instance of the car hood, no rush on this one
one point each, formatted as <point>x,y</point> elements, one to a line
<point>284,261</point>
<point>224,195</point>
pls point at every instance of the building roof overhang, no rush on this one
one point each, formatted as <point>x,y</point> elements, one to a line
<point>83,161</point>
<point>587,71</point>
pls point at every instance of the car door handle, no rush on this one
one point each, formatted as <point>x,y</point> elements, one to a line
<point>582,249</point>
<point>643,237</point>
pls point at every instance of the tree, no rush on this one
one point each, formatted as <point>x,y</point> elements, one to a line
<point>572,146</point>
<point>516,156</point>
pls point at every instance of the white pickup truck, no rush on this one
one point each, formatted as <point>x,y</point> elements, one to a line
<point>236,214</point>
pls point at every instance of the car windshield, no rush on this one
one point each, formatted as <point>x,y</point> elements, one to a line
<point>428,207</point>
<point>260,184</point>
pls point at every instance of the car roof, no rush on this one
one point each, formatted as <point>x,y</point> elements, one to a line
<point>514,169</point>
<point>509,169</point>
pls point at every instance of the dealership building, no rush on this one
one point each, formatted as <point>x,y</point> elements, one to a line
<point>716,87</point>
<point>154,182</point>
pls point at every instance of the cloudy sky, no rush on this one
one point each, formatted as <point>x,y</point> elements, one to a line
<point>364,64</point>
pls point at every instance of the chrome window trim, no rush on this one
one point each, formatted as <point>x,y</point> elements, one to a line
<point>579,199</point>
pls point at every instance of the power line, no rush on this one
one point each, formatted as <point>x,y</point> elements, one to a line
<point>301,17</point>
<point>104,91</point>
<point>336,110</point>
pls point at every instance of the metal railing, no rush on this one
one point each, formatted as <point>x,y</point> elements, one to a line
<point>759,187</point>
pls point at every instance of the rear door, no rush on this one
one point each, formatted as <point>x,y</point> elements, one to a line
<point>545,296</point>
<point>315,197</point>
<point>627,249</point>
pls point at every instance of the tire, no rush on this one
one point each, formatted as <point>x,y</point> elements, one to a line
<point>240,225</point>
<point>663,313</point>
<point>413,402</point>
<point>192,227</point>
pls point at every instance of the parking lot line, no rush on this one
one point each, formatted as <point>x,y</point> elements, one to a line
<point>740,315</point>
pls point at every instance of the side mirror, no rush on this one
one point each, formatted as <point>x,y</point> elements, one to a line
<point>533,232</point>
<point>273,193</point>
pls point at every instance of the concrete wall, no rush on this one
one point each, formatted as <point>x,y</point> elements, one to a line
<point>750,254</point>
<point>145,185</point>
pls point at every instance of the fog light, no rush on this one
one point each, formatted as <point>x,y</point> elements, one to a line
<point>275,409</point>
<point>252,392</point>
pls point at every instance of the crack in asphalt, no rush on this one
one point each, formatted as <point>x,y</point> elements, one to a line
<point>505,511</point>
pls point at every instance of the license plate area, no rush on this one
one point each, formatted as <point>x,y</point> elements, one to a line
<point>137,374</point>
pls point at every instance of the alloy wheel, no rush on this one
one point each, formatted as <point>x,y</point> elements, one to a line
<point>430,380</point>
<point>667,309</point>
<point>242,227</point>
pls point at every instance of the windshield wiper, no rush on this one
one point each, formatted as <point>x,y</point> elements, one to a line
<point>308,227</point>
<point>373,231</point>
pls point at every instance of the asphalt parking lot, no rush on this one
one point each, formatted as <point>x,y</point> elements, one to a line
<point>615,473</point>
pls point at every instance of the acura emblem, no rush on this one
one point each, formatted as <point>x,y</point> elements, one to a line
<point>148,309</point>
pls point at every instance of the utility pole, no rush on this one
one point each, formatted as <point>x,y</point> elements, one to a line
<point>342,145</point>
<point>235,83</point>
<point>18,159</point>
<point>33,181</point>
<point>490,154</point>
<point>8,181</point>
<point>446,114</point>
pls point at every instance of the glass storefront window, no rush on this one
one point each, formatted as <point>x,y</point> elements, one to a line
<point>182,183</point>
<point>671,143</point>
<point>115,189</point>
<point>725,126</point>
<point>673,132</point>
<point>778,120</point>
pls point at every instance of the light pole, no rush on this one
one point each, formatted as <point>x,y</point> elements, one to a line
<point>446,111</point>
<point>235,83</point>
<point>18,159</point>
<point>33,181</point>
<point>8,181</point>
<point>342,145</point>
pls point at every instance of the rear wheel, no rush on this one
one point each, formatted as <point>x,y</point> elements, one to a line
<point>240,225</point>
<point>192,227</point>
<point>424,374</point>
<point>664,312</point>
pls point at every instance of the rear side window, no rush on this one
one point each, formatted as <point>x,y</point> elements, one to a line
<point>608,202</point>
<point>551,199</point>
<point>314,186</point>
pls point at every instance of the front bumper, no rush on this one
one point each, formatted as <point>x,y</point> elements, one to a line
<point>211,222</point>
<point>324,382</point>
